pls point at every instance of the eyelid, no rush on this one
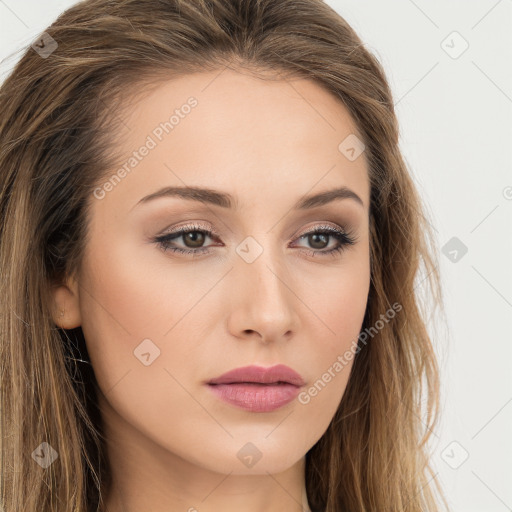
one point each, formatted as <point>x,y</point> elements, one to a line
<point>195,225</point>
<point>192,226</point>
<point>323,225</point>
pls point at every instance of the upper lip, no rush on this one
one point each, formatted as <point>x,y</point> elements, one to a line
<point>260,374</point>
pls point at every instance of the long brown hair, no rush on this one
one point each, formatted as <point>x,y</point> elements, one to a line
<point>60,111</point>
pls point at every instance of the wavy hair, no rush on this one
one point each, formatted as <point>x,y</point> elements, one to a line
<point>60,117</point>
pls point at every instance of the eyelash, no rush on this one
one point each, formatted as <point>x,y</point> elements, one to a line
<point>344,238</point>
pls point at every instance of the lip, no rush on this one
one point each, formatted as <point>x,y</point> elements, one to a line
<point>256,388</point>
<point>260,375</point>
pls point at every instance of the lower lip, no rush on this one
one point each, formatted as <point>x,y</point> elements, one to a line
<point>256,397</point>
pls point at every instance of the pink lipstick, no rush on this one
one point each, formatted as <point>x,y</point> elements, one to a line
<point>256,388</point>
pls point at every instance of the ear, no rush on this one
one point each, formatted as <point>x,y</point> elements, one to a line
<point>66,304</point>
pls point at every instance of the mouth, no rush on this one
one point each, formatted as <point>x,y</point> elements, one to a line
<point>278,383</point>
<point>256,388</point>
<point>274,375</point>
<point>256,396</point>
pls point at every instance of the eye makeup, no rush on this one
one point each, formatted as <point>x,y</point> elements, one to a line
<point>321,233</point>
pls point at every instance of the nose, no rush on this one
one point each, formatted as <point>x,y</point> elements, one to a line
<point>263,305</point>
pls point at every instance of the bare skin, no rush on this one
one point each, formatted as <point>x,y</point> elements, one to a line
<point>172,445</point>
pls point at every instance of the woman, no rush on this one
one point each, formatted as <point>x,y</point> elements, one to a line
<point>209,246</point>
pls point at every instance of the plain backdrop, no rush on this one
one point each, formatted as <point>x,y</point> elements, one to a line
<point>450,68</point>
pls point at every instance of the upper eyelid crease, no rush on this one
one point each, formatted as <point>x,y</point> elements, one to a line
<point>186,228</point>
<point>225,200</point>
<point>211,233</point>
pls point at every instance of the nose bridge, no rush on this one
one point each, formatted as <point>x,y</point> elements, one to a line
<point>263,300</point>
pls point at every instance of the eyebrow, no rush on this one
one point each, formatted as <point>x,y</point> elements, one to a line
<point>225,200</point>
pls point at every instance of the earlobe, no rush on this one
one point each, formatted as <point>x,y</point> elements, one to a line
<point>66,305</point>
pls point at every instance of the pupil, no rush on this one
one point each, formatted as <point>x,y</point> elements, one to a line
<point>196,238</point>
<point>319,236</point>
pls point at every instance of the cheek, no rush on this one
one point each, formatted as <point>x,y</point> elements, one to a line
<point>138,335</point>
<point>338,298</point>
<point>119,309</point>
<point>138,308</point>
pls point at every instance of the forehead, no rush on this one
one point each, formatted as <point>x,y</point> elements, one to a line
<point>233,131</point>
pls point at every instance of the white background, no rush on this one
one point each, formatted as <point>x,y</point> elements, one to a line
<point>456,135</point>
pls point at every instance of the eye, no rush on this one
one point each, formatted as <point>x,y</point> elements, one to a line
<point>195,236</point>
<point>320,237</point>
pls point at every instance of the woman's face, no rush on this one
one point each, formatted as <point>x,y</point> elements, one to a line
<point>251,290</point>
